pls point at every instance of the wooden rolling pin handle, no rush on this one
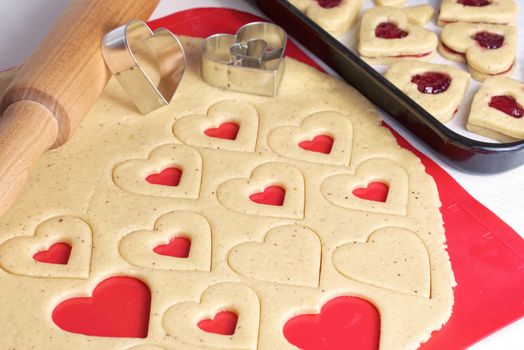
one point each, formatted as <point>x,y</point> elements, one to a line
<point>27,130</point>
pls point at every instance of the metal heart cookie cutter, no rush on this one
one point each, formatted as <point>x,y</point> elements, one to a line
<point>148,65</point>
<point>251,61</point>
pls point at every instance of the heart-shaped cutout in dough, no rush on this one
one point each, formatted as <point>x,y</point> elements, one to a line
<point>132,175</point>
<point>477,11</point>
<point>288,141</point>
<point>237,194</point>
<point>197,130</point>
<point>334,16</point>
<point>392,258</point>
<point>488,49</point>
<point>141,248</point>
<point>343,323</point>
<point>181,321</point>
<point>378,44</point>
<point>281,257</point>
<point>224,323</point>
<point>17,254</point>
<point>58,253</point>
<point>339,189</point>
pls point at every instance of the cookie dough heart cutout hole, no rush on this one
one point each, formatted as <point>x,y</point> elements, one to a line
<point>272,195</point>
<point>167,177</point>
<point>319,144</point>
<point>343,323</point>
<point>226,131</point>
<point>376,191</point>
<point>58,253</point>
<point>119,307</point>
<point>224,323</point>
<point>177,247</point>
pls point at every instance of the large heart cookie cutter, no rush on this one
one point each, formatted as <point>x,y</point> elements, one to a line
<point>148,65</point>
<point>250,61</point>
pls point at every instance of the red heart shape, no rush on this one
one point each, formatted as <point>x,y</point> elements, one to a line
<point>272,195</point>
<point>224,323</point>
<point>168,177</point>
<point>343,323</point>
<point>227,130</point>
<point>376,191</point>
<point>58,253</point>
<point>320,144</point>
<point>119,307</point>
<point>178,247</point>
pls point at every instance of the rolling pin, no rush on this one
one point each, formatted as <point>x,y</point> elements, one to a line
<point>53,91</point>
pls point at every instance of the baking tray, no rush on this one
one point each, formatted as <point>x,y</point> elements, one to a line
<point>464,153</point>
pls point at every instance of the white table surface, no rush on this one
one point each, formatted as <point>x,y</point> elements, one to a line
<point>23,24</point>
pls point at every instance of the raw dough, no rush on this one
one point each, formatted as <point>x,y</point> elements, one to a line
<point>442,105</point>
<point>335,20</point>
<point>461,46</point>
<point>497,12</point>
<point>418,43</point>
<point>491,122</point>
<point>84,179</point>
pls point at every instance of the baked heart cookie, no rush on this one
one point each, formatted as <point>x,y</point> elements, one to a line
<point>391,3</point>
<point>386,36</point>
<point>335,16</point>
<point>202,242</point>
<point>488,49</point>
<point>420,14</point>
<point>438,88</point>
<point>477,11</point>
<point>498,110</point>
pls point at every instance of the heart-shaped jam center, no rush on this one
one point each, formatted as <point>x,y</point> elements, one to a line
<point>58,253</point>
<point>168,177</point>
<point>327,4</point>
<point>389,30</point>
<point>272,195</point>
<point>320,144</point>
<point>177,247</point>
<point>375,191</point>
<point>227,131</point>
<point>507,104</point>
<point>489,40</point>
<point>224,323</point>
<point>432,82</point>
<point>477,3</point>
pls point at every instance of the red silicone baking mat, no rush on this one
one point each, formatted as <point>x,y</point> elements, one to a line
<point>486,254</point>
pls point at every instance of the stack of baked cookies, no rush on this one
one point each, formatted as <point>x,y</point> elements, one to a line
<point>478,34</point>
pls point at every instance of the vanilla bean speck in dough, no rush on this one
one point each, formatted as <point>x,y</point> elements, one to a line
<point>349,249</point>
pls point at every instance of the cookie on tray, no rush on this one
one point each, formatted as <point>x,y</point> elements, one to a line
<point>477,11</point>
<point>488,49</point>
<point>392,3</point>
<point>335,16</point>
<point>438,88</point>
<point>498,110</point>
<point>386,36</point>
<point>420,14</point>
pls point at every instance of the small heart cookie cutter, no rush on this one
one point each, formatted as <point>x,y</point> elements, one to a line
<point>148,65</point>
<point>250,61</point>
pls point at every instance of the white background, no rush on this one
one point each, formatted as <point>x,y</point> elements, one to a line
<point>23,24</point>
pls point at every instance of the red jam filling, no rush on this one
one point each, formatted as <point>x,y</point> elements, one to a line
<point>327,4</point>
<point>432,82</point>
<point>489,40</point>
<point>477,3</point>
<point>507,104</point>
<point>447,48</point>
<point>388,30</point>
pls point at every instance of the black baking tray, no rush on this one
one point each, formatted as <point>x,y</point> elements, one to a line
<point>461,152</point>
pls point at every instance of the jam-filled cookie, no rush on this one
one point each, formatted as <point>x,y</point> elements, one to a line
<point>498,110</point>
<point>488,49</point>
<point>438,88</point>
<point>477,11</point>
<point>392,3</point>
<point>335,16</point>
<point>386,36</point>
